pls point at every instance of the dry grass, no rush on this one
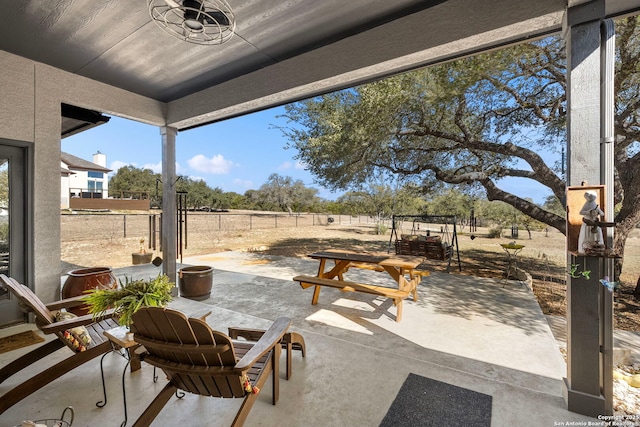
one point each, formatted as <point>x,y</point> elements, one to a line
<point>543,256</point>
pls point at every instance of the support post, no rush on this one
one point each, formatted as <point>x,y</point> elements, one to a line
<point>587,387</point>
<point>608,37</point>
<point>169,179</point>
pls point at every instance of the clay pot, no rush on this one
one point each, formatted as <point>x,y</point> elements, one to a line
<point>195,282</point>
<point>83,279</point>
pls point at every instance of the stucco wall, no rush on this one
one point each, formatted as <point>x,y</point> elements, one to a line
<point>30,112</point>
<point>78,181</point>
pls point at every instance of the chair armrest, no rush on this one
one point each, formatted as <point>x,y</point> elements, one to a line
<point>140,351</point>
<point>247,334</point>
<point>269,340</point>
<point>63,325</point>
<point>200,314</point>
<point>67,302</point>
<point>189,368</point>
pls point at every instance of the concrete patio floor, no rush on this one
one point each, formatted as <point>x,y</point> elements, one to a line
<point>482,334</point>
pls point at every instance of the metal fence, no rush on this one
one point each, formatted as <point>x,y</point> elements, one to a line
<point>84,227</point>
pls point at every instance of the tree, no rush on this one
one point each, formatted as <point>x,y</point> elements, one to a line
<point>199,194</point>
<point>252,198</point>
<point>471,123</point>
<point>380,200</point>
<point>231,200</point>
<point>227,200</point>
<point>499,214</point>
<point>409,200</point>
<point>376,200</point>
<point>451,202</point>
<point>129,179</point>
<point>552,204</point>
<point>4,204</point>
<point>285,194</point>
<point>4,186</point>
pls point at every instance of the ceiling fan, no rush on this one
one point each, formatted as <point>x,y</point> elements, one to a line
<point>194,21</point>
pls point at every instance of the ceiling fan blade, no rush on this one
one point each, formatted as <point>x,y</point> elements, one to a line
<point>218,18</point>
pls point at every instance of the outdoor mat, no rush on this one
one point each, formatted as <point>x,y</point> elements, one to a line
<point>20,340</point>
<point>425,402</point>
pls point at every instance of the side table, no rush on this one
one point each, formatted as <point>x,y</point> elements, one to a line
<point>512,251</point>
<point>121,339</point>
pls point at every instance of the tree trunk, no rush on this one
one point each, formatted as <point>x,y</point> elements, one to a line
<point>620,238</point>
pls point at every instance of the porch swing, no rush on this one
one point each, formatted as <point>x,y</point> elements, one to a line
<point>432,244</point>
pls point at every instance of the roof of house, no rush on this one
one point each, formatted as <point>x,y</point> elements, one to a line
<point>82,164</point>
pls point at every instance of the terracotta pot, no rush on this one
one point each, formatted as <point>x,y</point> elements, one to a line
<point>195,282</point>
<point>83,279</point>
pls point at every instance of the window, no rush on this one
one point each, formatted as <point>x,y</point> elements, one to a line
<point>94,174</point>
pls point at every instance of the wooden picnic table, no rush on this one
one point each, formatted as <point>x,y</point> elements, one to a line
<point>402,268</point>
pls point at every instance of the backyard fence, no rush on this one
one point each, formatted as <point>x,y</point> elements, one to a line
<point>84,227</point>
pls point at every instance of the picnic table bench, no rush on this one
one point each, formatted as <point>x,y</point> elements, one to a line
<point>396,266</point>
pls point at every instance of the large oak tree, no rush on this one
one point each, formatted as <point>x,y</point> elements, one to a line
<point>470,123</point>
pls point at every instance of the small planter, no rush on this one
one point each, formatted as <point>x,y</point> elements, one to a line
<point>140,258</point>
<point>195,282</point>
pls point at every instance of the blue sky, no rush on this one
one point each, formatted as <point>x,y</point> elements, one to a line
<point>235,155</point>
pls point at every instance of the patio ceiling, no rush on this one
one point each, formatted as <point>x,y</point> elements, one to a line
<point>282,50</point>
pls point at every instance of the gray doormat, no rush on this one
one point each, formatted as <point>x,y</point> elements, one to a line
<point>425,402</point>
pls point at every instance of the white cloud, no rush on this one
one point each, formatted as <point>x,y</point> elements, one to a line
<point>217,165</point>
<point>288,165</point>
<point>155,167</point>
<point>117,164</point>
<point>284,166</point>
<point>244,183</point>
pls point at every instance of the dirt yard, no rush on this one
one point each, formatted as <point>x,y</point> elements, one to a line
<point>543,256</point>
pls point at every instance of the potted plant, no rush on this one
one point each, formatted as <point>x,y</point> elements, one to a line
<point>129,297</point>
<point>141,257</point>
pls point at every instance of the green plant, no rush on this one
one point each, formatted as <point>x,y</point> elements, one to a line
<point>495,233</point>
<point>4,231</point>
<point>574,273</point>
<point>381,228</point>
<point>129,297</point>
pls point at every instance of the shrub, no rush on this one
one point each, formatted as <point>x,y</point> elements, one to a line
<point>495,233</point>
<point>4,231</point>
<point>381,228</point>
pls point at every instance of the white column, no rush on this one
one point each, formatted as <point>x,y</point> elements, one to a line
<point>169,178</point>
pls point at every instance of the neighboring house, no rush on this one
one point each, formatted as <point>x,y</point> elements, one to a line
<point>83,179</point>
